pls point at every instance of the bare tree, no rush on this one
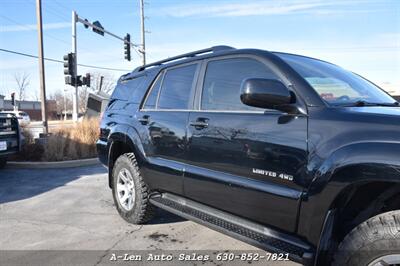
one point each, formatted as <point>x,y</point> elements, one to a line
<point>35,95</point>
<point>107,84</point>
<point>63,102</point>
<point>22,80</point>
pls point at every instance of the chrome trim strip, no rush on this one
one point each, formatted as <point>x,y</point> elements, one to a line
<point>213,111</point>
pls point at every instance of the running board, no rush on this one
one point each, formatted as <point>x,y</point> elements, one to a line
<point>239,228</point>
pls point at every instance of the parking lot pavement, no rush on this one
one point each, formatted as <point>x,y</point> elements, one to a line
<point>68,210</point>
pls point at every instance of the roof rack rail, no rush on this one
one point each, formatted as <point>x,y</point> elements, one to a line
<point>191,54</point>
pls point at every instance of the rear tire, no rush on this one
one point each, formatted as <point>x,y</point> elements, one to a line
<point>130,192</point>
<point>3,162</point>
<point>374,242</point>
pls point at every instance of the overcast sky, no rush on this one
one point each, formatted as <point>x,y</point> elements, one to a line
<point>361,35</point>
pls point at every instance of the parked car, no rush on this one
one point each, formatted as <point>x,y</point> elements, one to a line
<point>22,117</point>
<point>10,140</point>
<point>291,154</point>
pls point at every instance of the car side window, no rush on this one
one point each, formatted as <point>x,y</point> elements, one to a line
<point>151,100</point>
<point>177,87</point>
<point>130,89</point>
<point>222,81</point>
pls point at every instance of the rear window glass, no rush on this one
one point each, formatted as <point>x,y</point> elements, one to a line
<point>152,97</point>
<point>131,90</point>
<point>176,88</point>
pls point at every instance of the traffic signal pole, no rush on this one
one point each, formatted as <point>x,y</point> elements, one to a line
<point>96,26</point>
<point>87,23</point>
<point>74,50</point>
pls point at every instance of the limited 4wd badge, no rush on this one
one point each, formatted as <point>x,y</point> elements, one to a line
<point>273,174</point>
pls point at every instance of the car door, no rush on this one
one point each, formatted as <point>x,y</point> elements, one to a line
<point>242,159</point>
<point>164,118</point>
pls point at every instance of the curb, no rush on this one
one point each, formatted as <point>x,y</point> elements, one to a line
<point>52,165</point>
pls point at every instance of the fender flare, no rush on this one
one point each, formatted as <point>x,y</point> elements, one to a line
<point>349,166</point>
<point>130,137</point>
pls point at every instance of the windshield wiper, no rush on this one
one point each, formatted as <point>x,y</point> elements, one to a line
<point>362,103</point>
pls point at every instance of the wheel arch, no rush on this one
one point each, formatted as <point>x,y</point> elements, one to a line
<point>355,204</point>
<point>121,143</point>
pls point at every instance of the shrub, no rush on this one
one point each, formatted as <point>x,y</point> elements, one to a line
<point>71,143</point>
<point>67,143</point>
<point>30,151</point>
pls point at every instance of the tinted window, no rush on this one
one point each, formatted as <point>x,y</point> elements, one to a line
<point>176,88</point>
<point>130,89</point>
<point>334,84</point>
<point>152,97</point>
<point>221,88</point>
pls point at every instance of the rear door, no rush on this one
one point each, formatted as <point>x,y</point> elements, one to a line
<point>164,117</point>
<point>242,159</point>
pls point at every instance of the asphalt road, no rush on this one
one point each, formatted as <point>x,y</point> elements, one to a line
<point>67,216</point>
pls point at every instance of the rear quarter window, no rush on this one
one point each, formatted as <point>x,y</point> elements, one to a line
<point>177,87</point>
<point>130,90</point>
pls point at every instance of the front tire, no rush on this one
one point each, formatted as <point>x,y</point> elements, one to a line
<point>130,192</point>
<point>374,242</point>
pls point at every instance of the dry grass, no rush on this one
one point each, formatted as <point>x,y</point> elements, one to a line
<point>74,142</point>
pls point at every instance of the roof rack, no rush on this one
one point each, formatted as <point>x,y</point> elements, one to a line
<point>191,54</point>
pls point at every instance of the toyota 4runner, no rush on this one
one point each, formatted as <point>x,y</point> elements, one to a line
<point>288,153</point>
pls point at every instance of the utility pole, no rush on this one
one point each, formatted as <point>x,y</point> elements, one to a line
<point>74,50</point>
<point>41,66</point>
<point>65,104</point>
<point>143,50</point>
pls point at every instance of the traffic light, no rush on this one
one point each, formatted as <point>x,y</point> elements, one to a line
<point>13,98</point>
<point>69,69</point>
<point>85,25</point>
<point>127,47</point>
<point>69,64</point>
<point>86,80</point>
<point>83,80</point>
<point>70,80</point>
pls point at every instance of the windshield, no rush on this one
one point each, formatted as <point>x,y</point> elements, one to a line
<point>335,85</point>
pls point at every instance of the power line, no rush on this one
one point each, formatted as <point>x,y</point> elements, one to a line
<point>29,28</point>
<point>60,61</point>
<point>56,13</point>
<point>45,33</point>
<point>62,5</point>
<point>51,36</point>
<point>51,10</point>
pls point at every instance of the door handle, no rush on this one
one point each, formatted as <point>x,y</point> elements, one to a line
<point>144,120</point>
<point>199,124</point>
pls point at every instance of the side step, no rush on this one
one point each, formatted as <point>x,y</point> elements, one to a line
<point>239,228</point>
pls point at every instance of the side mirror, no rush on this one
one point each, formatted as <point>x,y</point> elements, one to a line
<point>266,93</point>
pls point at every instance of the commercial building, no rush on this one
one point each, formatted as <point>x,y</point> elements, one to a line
<point>32,108</point>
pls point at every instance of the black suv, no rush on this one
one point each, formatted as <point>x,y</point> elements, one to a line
<point>291,154</point>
